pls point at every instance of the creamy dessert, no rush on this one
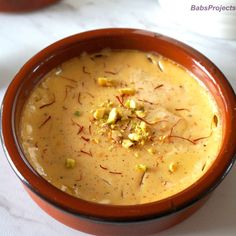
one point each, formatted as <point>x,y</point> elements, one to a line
<point>120,127</point>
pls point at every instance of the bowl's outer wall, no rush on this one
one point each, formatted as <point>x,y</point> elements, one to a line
<point>116,229</point>
<point>52,199</point>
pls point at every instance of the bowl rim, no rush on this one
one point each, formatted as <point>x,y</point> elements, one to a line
<point>113,213</point>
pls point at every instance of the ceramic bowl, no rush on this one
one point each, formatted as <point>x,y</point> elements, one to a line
<point>101,219</point>
<point>24,5</point>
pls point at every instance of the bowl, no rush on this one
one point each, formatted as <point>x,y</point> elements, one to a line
<point>24,5</point>
<point>102,219</point>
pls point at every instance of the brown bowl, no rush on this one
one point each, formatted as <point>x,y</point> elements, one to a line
<point>109,219</point>
<point>24,5</point>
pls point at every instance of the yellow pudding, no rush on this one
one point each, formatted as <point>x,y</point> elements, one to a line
<point>120,127</point>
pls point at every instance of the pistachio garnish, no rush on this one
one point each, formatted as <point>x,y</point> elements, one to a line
<point>99,113</point>
<point>131,103</point>
<point>105,82</point>
<point>134,137</point>
<point>141,167</point>
<point>70,163</point>
<point>114,115</point>
<point>143,126</point>
<point>126,143</point>
<point>77,113</point>
<point>127,91</point>
<point>140,113</point>
<point>123,122</point>
<point>116,135</point>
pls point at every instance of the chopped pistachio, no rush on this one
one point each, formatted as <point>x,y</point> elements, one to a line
<point>127,103</point>
<point>143,126</point>
<point>127,91</point>
<point>126,143</point>
<point>131,103</point>
<point>140,114</point>
<point>77,113</point>
<point>141,129</point>
<point>133,124</point>
<point>105,82</point>
<point>141,167</point>
<point>134,137</point>
<point>151,151</point>
<point>70,163</point>
<point>172,167</point>
<point>114,115</point>
<point>99,113</point>
<point>116,135</point>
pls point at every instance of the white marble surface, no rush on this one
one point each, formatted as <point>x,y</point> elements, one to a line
<point>21,36</point>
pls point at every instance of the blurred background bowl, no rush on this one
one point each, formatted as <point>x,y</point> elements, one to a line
<point>24,5</point>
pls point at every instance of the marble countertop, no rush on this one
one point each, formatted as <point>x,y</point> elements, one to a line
<point>23,35</point>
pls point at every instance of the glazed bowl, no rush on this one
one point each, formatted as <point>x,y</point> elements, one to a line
<point>24,5</point>
<point>102,219</point>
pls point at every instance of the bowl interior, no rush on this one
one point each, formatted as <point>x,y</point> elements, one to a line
<point>94,41</point>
